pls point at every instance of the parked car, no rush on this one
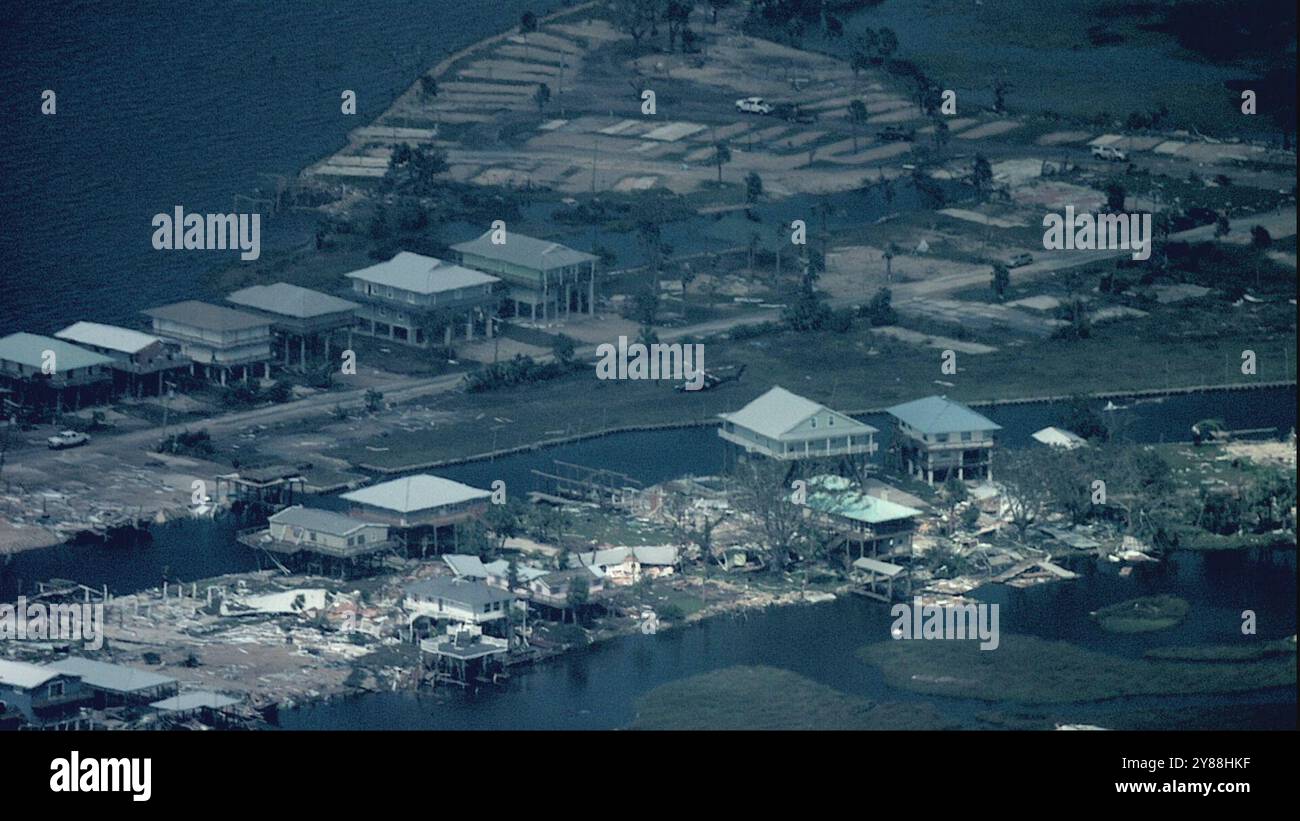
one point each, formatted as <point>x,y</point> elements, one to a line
<point>1019,260</point>
<point>753,105</point>
<point>1109,153</point>
<point>67,439</point>
<point>894,134</point>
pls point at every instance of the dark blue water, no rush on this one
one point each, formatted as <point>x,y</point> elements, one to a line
<point>598,688</point>
<point>161,104</point>
<point>193,550</point>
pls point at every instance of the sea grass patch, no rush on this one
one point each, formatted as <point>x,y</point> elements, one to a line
<point>1142,615</point>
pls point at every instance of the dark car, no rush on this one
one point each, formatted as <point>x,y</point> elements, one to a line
<point>895,135</point>
<point>794,113</point>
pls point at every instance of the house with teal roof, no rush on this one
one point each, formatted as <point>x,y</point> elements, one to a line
<point>877,525</point>
<point>936,437</point>
<point>42,370</point>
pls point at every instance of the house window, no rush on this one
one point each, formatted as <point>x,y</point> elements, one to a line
<point>814,422</point>
<point>830,421</point>
<point>487,608</point>
<point>965,437</point>
<point>941,437</point>
<point>55,690</point>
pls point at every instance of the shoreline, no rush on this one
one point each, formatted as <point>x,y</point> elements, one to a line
<point>543,444</point>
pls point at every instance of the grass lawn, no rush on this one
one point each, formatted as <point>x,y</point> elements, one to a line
<point>765,698</point>
<point>1198,345</point>
<point>1035,671</point>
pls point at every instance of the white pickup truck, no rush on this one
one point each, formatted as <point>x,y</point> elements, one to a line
<point>67,439</point>
<point>1109,152</point>
<point>753,105</point>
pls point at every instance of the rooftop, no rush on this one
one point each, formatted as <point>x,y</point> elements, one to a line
<point>466,591</point>
<point>415,493</point>
<point>196,700</point>
<point>208,317</point>
<point>113,677</point>
<point>939,414</point>
<point>423,275</point>
<point>525,251</point>
<point>838,496</point>
<point>110,337</point>
<point>290,300</point>
<point>466,566</point>
<point>778,411</point>
<point>24,676</point>
<point>29,349</point>
<point>319,521</point>
<point>1059,437</point>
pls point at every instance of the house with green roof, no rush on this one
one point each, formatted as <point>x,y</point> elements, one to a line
<point>44,371</point>
<point>936,437</point>
<point>782,425</point>
<point>537,273</point>
<point>876,524</point>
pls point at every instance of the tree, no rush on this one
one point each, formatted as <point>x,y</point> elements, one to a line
<point>1221,226</point>
<point>527,23</point>
<point>1001,280</point>
<point>753,188</point>
<point>857,116</point>
<point>1000,89</point>
<point>374,400</point>
<point>879,311</point>
<point>505,521</point>
<point>1260,238</point>
<point>1023,488</point>
<point>636,18</point>
<point>954,493</point>
<point>414,170</point>
<point>542,96</point>
<point>941,134</point>
<point>563,348</point>
<point>982,175</point>
<point>677,13</point>
<point>1115,196</point>
<point>760,492</point>
<point>718,5</point>
<point>579,594</point>
<point>891,251</point>
<point>721,156</point>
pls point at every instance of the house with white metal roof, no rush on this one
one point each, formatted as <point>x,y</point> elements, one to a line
<point>46,697</point>
<point>299,314</point>
<point>465,566</point>
<point>421,301</point>
<point>537,272</point>
<point>139,360</point>
<point>114,684</point>
<point>446,598</point>
<point>782,425</point>
<point>43,370</point>
<point>626,565</point>
<point>220,340</point>
<point>1059,438</point>
<point>322,540</point>
<point>421,509</point>
<point>935,436</point>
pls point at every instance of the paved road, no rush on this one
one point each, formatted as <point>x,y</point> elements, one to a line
<point>1280,224</point>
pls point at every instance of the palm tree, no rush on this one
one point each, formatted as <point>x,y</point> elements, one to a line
<point>891,250</point>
